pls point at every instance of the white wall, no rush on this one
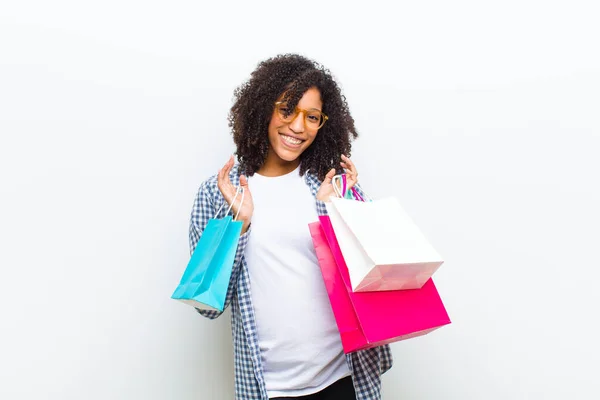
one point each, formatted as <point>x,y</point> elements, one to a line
<point>481,117</point>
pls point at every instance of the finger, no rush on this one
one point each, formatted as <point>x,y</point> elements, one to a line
<point>351,172</point>
<point>220,179</point>
<point>221,174</point>
<point>224,183</point>
<point>349,163</point>
<point>225,191</point>
<point>244,182</point>
<point>229,165</point>
<point>329,176</point>
<point>244,185</point>
<point>226,171</point>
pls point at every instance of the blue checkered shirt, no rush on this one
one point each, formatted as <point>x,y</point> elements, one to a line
<point>366,366</point>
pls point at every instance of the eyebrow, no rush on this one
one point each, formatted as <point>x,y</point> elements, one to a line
<point>308,109</point>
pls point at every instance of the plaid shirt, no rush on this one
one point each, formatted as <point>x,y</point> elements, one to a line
<point>366,366</point>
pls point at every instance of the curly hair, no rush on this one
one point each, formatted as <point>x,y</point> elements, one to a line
<point>290,76</point>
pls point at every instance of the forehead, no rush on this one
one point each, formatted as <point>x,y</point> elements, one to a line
<point>311,99</point>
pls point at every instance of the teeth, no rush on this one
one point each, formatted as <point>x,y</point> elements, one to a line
<point>291,140</point>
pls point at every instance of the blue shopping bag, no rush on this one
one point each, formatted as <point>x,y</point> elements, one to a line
<point>206,278</point>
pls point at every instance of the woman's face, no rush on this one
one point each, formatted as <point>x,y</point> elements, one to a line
<point>289,139</point>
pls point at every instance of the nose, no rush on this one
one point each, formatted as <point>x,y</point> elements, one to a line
<point>297,124</point>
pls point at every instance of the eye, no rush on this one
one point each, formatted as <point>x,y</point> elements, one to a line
<point>314,117</point>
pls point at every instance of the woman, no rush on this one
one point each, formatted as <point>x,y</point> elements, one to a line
<point>292,129</point>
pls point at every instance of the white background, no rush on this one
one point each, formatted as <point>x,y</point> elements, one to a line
<point>481,117</point>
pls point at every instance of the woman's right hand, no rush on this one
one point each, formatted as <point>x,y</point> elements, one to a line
<point>228,191</point>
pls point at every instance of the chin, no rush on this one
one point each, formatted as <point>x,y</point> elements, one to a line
<point>287,155</point>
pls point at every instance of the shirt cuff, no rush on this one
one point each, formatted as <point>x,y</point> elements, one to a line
<point>321,208</point>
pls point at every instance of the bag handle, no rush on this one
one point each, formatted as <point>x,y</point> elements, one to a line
<point>241,202</point>
<point>343,193</point>
<point>238,190</point>
<point>357,195</point>
<point>336,189</point>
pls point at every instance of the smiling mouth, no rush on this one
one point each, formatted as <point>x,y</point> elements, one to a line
<point>291,140</point>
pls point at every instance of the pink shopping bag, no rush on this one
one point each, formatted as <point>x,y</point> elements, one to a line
<point>370,319</point>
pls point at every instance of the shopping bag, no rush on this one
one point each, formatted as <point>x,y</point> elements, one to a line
<point>370,319</point>
<point>206,278</point>
<point>383,248</point>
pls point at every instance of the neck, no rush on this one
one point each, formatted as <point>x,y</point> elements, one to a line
<point>275,166</point>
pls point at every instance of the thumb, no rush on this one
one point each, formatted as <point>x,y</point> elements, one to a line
<point>244,182</point>
<point>329,176</point>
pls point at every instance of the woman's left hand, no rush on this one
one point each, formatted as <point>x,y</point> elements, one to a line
<point>326,190</point>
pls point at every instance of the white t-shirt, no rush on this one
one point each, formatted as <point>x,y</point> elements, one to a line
<point>299,340</point>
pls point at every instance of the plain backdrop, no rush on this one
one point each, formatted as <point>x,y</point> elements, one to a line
<point>481,117</point>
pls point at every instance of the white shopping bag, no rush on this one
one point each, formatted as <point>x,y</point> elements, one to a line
<point>382,247</point>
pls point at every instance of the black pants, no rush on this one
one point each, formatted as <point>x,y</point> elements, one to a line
<point>340,390</point>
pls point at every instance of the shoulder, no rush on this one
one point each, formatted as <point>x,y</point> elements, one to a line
<point>312,179</point>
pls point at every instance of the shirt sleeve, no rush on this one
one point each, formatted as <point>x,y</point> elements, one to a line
<point>321,208</point>
<point>202,211</point>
